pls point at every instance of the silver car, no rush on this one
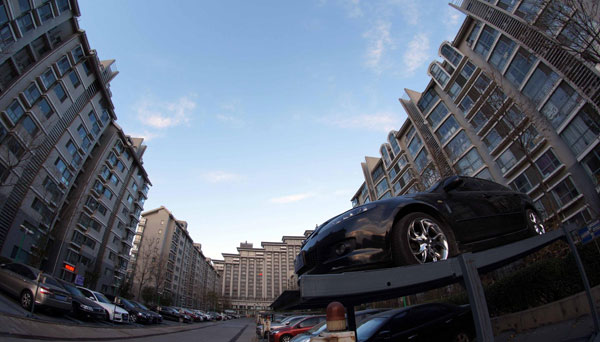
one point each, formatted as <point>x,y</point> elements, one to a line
<point>21,281</point>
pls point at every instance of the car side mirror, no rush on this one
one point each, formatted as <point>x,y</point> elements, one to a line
<point>452,183</point>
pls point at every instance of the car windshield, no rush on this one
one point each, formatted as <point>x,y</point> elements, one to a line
<point>318,328</point>
<point>127,303</point>
<point>73,290</point>
<point>101,298</point>
<point>140,305</point>
<point>295,320</point>
<point>48,280</point>
<point>368,328</point>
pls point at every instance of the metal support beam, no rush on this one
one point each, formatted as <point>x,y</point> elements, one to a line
<point>351,315</point>
<point>481,316</point>
<point>584,278</point>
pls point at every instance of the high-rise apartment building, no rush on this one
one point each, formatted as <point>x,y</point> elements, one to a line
<point>166,259</point>
<point>252,278</point>
<point>72,183</point>
<point>506,103</point>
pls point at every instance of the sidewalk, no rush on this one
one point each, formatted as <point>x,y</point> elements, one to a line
<point>12,326</point>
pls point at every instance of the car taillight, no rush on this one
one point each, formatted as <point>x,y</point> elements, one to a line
<point>45,290</point>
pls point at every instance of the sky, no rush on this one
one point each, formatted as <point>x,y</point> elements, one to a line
<point>257,114</point>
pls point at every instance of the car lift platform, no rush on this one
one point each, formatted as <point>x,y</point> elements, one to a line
<point>359,287</point>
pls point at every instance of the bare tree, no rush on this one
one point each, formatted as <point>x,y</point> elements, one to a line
<point>146,264</point>
<point>576,24</point>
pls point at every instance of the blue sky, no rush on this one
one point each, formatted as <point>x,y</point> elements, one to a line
<point>257,114</point>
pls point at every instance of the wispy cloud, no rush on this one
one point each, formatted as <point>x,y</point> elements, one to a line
<point>220,177</point>
<point>147,135</point>
<point>165,114</point>
<point>380,121</point>
<point>452,21</point>
<point>417,53</point>
<point>230,113</point>
<point>291,198</point>
<point>379,41</point>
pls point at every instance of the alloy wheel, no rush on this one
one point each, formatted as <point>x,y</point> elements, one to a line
<point>535,222</point>
<point>427,241</point>
<point>26,300</point>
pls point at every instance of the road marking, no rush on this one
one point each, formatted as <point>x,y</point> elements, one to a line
<point>234,338</point>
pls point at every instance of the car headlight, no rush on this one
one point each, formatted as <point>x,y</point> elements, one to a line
<point>354,212</point>
<point>140,314</point>
<point>86,307</point>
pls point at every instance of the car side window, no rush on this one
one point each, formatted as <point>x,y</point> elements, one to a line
<point>87,293</point>
<point>469,184</point>
<point>491,186</point>
<point>308,322</point>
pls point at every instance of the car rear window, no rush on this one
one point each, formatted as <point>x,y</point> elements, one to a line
<point>50,281</point>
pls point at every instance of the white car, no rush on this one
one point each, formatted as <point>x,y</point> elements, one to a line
<point>115,313</point>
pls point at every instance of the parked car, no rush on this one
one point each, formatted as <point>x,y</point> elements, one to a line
<point>455,215</point>
<point>81,306</point>
<point>194,316</point>
<point>169,313</point>
<point>261,330</point>
<point>136,314</point>
<point>113,313</point>
<point>285,333</point>
<point>21,281</point>
<point>426,322</point>
<point>156,317</point>
<point>319,328</point>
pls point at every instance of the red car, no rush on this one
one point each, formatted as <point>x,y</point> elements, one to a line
<point>285,334</point>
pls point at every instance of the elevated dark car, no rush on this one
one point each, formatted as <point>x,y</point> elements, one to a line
<point>156,317</point>
<point>81,306</point>
<point>427,322</point>
<point>136,314</point>
<point>456,215</point>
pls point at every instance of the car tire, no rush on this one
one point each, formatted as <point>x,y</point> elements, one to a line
<point>106,316</point>
<point>420,238</point>
<point>133,318</point>
<point>535,224</point>
<point>26,299</point>
<point>461,336</point>
<point>285,338</point>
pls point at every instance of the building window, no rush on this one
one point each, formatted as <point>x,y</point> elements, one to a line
<point>481,83</point>
<point>474,32</point>
<point>77,54</point>
<point>73,151</point>
<point>63,5</point>
<point>439,75</point>
<point>565,191</point>
<point>486,40</point>
<point>382,187</point>
<point>458,145</point>
<point>470,163</point>
<point>94,122</point>
<point>48,78</point>
<point>377,173</point>
<point>507,5</point>
<point>485,174</point>
<point>52,189</point>
<point>421,160</point>
<point>528,9</point>
<point>561,104</point>
<point>45,12</point>
<point>582,130</point>
<point>468,70</point>
<point>402,161</point>
<point>114,179</point>
<point>415,145</point>
<point>108,194</point>
<point>540,83</point>
<point>63,65</point>
<point>15,147</point>
<point>85,141</point>
<point>466,104</point>
<point>591,164</point>
<point>522,183</point>
<point>74,79</point>
<point>454,90</point>
<point>506,161</point>
<point>394,143</point>
<point>427,100</point>
<point>502,52</point>
<point>430,176</point>
<point>25,23</point>
<point>29,126</point>
<point>386,156</point>
<point>437,114</point>
<point>547,163</point>
<point>447,129</point>
<point>479,120</point>
<point>60,92</point>
<point>64,172</point>
<point>402,181</point>
<point>6,35</point>
<point>520,66</point>
<point>451,55</point>
<point>15,111</point>
<point>32,93</point>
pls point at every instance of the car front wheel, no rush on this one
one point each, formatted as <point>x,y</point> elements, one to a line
<point>419,238</point>
<point>534,222</point>
<point>285,338</point>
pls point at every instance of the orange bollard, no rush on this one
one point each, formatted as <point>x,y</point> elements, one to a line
<point>336,326</point>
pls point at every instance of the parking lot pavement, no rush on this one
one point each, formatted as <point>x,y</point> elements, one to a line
<point>575,330</point>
